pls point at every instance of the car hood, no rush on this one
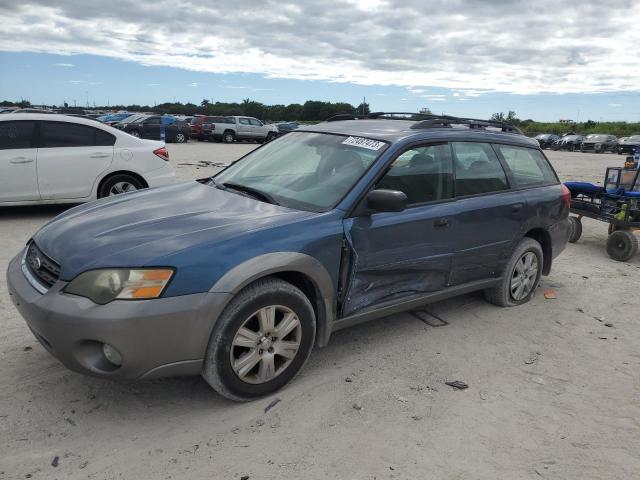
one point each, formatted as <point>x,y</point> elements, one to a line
<point>139,229</point>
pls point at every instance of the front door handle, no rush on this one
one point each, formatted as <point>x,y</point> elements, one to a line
<point>100,155</point>
<point>517,207</point>
<point>21,160</point>
<point>441,223</point>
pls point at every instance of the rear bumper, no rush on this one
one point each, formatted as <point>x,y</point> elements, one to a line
<point>161,337</point>
<point>559,233</point>
<point>161,176</point>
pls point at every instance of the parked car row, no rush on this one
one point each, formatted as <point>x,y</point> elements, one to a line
<point>595,142</point>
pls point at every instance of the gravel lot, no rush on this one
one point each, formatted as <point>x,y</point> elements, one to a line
<point>554,386</point>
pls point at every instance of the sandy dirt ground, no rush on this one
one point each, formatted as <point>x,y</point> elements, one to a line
<point>554,386</point>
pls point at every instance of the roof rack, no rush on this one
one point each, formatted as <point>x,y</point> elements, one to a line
<point>447,121</point>
<point>374,115</point>
<point>428,120</point>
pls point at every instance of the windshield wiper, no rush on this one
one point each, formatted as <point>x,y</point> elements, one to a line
<point>254,192</point>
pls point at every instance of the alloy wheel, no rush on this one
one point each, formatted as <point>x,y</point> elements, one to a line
<point>121,187</point>
<point>524,276</point>
<point>265,344</point>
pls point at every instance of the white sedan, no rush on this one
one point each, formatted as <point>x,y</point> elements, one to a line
<point>63,159</point>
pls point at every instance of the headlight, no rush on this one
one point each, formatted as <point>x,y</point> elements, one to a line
<point>103,286</point>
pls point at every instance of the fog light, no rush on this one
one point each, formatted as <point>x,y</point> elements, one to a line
<point>112,354</point>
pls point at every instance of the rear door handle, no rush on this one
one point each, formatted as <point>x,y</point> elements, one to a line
<point>517,207</point>
<point>21,160</point>
<point>441,223</point>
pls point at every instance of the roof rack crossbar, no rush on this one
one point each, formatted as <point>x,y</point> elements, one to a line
<point>428,120</point>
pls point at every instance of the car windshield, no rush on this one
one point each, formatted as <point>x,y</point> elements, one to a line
<point>634,138</point>
<point>597,138</point>
<point>302,170</point>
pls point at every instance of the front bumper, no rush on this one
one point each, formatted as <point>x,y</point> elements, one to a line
<point>160,337</point>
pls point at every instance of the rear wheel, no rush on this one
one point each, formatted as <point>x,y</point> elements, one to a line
<point>228,137</point>
<point>120,183</point>
<point>261,340</point>
<point>575,229</point>
<point>622,245</point>
<point>520,276</point>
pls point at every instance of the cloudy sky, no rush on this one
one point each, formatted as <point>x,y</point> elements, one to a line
<point>544,59</point>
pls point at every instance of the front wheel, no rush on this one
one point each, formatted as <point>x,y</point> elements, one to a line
<point>520,277</point>
<point>622,245</point>
<point>181,137</point>
<point>261,341</point>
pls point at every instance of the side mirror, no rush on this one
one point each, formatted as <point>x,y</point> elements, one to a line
<point>382,200</point>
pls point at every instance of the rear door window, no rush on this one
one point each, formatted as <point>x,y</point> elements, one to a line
<point>528,166</point>
<point>477,169</point>
<point>63,134</point>
<point>15,135</point>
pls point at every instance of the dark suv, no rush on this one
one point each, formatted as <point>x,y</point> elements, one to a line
<point>238,276</point>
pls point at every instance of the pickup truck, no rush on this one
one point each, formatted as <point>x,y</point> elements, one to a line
<point>230,129</point>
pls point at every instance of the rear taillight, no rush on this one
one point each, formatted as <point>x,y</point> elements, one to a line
<point>566,196</point>
<point>163,153</point>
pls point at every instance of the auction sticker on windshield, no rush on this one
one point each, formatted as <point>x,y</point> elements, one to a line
<point>364,143</point>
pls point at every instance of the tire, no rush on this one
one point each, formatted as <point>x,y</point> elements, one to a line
<point>228,137</point>
<point>572,147</point>
<point>622,245</point>
<point>119,183</point>
<point>181,137</point>
<point>134,133</point>
<point>575,229</point>
<point>270,136</point>
<point>502,295</point>
<point>243,311</point>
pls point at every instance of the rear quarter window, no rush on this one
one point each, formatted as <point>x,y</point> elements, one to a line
<point>528,166</point>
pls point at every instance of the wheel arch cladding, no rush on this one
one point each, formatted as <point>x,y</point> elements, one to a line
<point>299,269</point>
<point>544,239</point>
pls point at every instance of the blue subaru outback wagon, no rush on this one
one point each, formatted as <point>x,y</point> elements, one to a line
<point>238,276</point>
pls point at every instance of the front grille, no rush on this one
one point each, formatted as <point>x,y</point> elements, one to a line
<point>45,270</point>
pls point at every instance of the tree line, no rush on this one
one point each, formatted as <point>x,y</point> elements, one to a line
<point>531,127</point>
<point>309,111</point>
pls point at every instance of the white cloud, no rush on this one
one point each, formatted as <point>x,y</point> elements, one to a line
<point>498,46</point>
<point>194,84</point>
<point>65,65</point>
<point>615,105</point>
<point>434,97</point>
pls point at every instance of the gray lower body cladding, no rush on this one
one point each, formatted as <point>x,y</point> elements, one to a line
<point>160,337</point>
